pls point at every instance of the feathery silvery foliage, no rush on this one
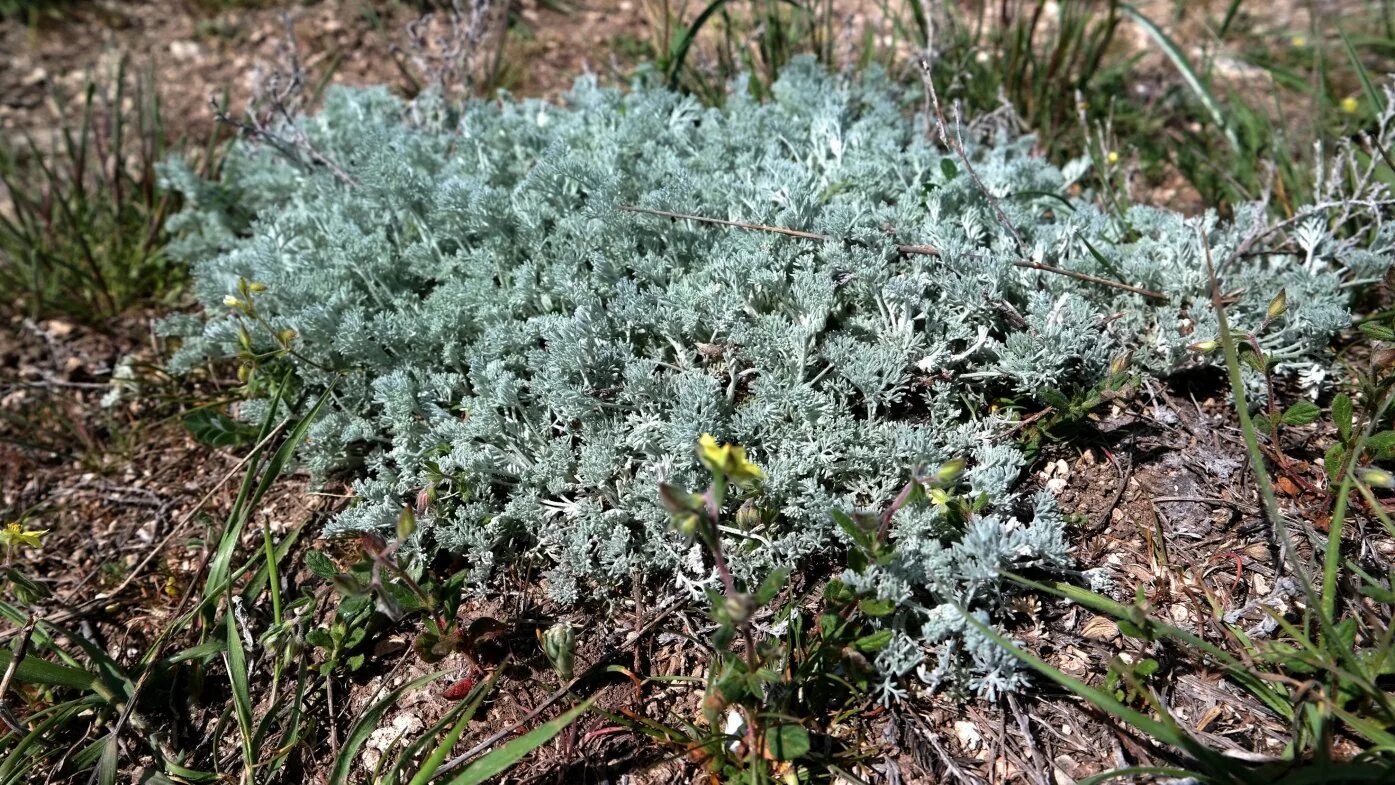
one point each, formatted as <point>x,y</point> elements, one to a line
<point>541,360</point>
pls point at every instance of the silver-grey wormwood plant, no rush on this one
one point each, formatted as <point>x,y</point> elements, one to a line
<point>539,360</point>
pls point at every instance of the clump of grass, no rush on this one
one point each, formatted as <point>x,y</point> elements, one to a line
<point>1040,64</point>
<point>82,219</point>
<point>237,686</point>
<point>701,46</point>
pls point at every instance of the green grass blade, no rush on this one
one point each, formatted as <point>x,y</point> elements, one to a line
<point>253,488</point>
<point>438,755</point>
<point>1372,95</point>
<point>363,728</point>
<point>107,764</point>
<point>681,47</point>
<point>13,767</point>
<point>1135,773</point>
<point>1188,74</point>
<point>500,759</point>
<point>33,670</point>
<point>922,22</point>
<point>1230,13</point>
<point>235,658</point>
<point>1167,731</point>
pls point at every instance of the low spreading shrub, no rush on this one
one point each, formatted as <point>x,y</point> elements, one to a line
<point>525,361</point>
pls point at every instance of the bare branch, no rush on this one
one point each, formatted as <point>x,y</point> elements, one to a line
<point>956,143</point>
<point>905,250</point>
<point>277,100</point>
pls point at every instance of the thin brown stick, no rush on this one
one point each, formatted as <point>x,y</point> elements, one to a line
<point>563,692</point>
<point>956,143</point>
<point>905,250</point>
<point>823,238</point>
<point>17,657</point>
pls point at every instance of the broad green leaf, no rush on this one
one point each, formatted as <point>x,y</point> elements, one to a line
<point>874,642</point>
<point>1342,416</point>
<point>1301,413</point>
<point>321,565</point>
<point>787,742</point>
<point>215,429</point>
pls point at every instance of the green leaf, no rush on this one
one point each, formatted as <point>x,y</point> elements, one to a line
<point>1184,68</point>
<point>1381,445</point>
<point>215,429</point>
<point>874,642</point>
<point>1332,461</point>
<point>1372,94</point>
<point>501,759</point>
<point>877,608</point>
<point>202,651</point>
<point>236,661</point>
<point>1377,331</point>
<point>107,765</point>
<point>948,168</point>
<point>467,713</point>
<point>321,565</point>
<point>772,585</point>
<point>858,534</point>
<point>787,742</point>
<point>33,670</point>
<point>1342,416</point>
<point>1301,413</point>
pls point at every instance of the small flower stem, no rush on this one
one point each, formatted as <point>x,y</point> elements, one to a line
<point>884,530</point>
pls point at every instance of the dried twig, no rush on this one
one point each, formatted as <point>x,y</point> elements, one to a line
<point>15,659</point>
<point>955,770</point>
<point>956,143</point>
<point>278,100</point>
<point>562,692</point>
<point>906,250</point>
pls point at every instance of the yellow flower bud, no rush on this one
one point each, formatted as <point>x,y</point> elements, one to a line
<point>1113,157</point>
<point>1277,306</point>
<point>949,471</point>
<point>738,607</point>
<point>686,524</point>
<point>231,301</point>
<point>1350,104</point>
<point>1120,363</point>
<point>1204,347</point>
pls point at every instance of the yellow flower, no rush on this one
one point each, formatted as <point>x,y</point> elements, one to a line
<point>1113,157</point>
<point>729,459</point>
<point>231,301</point>
<point>1350,105</point>
<point>15,534</point>
<point>1299,40</point>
